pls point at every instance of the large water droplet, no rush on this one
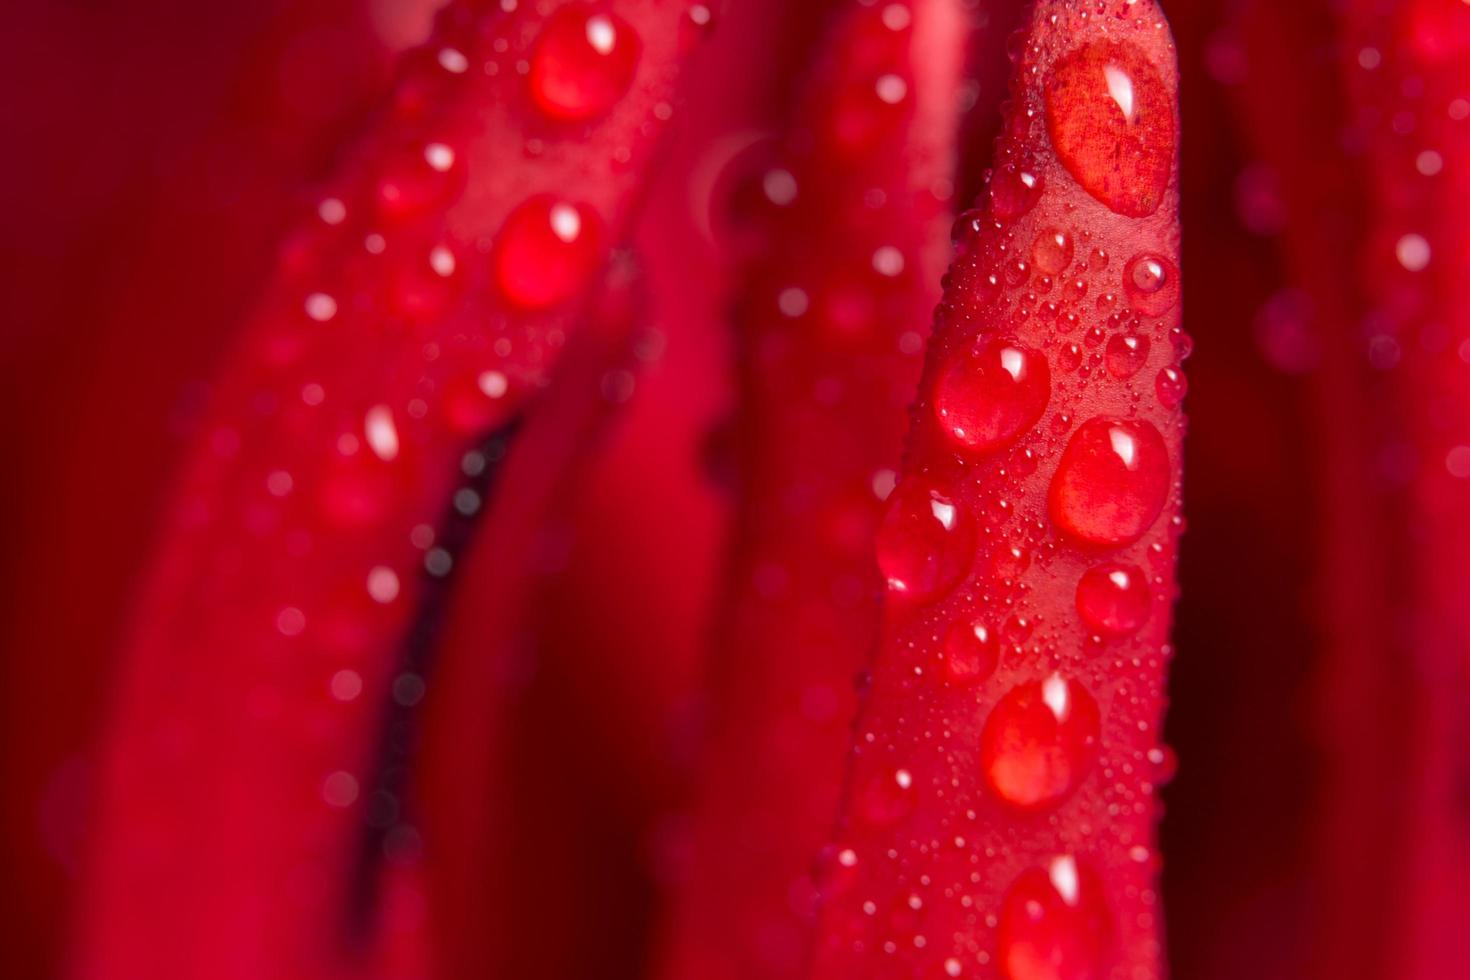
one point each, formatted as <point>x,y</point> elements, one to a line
<point>1113,599</point>
<point>926,543</point>
<point>1111,120</point>
<point>423,287</point>
<point>1152,284</point>
<point>1112,481</point>
<point>546,252</point>
<point>986,397</point>
<point>1040,742</point>
<point>970,651</point>
<point>583,63</point>
<point>1054,924</point>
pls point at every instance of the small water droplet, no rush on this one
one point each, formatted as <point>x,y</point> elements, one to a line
<point>418,180</point>
<point>926,543</point>
<point>970,651</point>
<point>1126,355</point>
<point>583,63</point>
<point>1112,481</point>
<point>1014,190</point>
<point>986,397</point>
<point>1052,251</point>
<point>474,402</point>
<point>1152,284</point>
<point>1039,742</point>
<point>888,797</point>
<point>425,286</point>
<point>1171,386</point>
<point>547,252</point>
<point>1113,599</point>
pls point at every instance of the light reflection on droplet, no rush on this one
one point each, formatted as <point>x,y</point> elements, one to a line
<point>1120,88</point>
<point>382,434</point>
<point>1063,875</point>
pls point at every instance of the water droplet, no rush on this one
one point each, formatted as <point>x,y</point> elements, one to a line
<point>1052,251</point>
<point>475,401</point>
<point>1152,284</point>
<point>1009,561</point>
<point>1171,386</point>
<point>583,63</point>
<point>926,543</point>
<point>418,180</point>
<point>1112,481</point>
<point>358,488</point>
<point>1040,742</point>
<point>1126,355</point>
<point>986,397</point>
<point>970,651</point>
<point>1113,599</point>
<point>1054,924</point>
<point>424,288</point>
<point>1111,120</point>
<point>1014,190</point>
<point>546,252</point>
<point>888,797</point>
